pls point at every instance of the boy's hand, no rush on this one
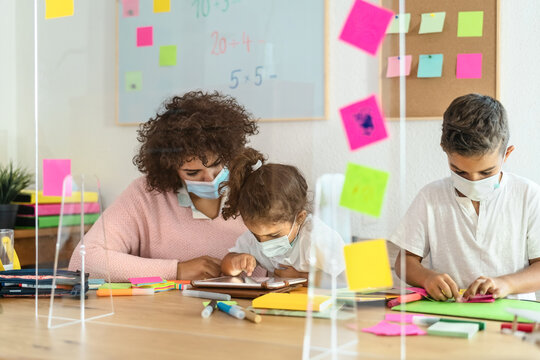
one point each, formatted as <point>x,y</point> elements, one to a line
<point>289,272</point>
<point>242,262</point>
<point>441,287</point>
<point>498,287</point>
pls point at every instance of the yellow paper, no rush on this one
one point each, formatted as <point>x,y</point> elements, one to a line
<point>292,301</point>
<point>367,265</point>
<point>58,8</point>
<point>162,6</point>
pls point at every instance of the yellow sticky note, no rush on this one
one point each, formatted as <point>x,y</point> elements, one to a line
<point>162,6</point>
<point>58,8</point>
<point>367,265</point>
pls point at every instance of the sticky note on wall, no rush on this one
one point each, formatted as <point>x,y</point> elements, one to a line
<point>130,8</point>
<point>364,123</point>
<point>133,81</point>
<point>162,6</point>
<point>58,8</point>
<point>394,66</point>
<point>430,65</point>
<point>469,66</point>
<point>167,55</point>
<point>364,189</point>
<point>470,23</point>
<point>366,26</point>
<point>145,36</point>
<point>367,265</point>
<point>55,171</point>
<point>398,21</point>
<point>432,22</point>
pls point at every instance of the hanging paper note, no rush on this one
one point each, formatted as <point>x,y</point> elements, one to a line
<point>432,23</point>
<point>363,189</point>
<point>430,66</point>
<point>470,23</point>
<point>145,36</point>
<point>167,55</point>
<point>133,81</point>
<point>162,6</point>
<point>469,66</point>
<point>130,8</point>
<point>367,266</point>
<point>366,26</point>
<point>398,21</point>
<point>58,8</point>
<point>54,173</point>
<point>394,66</point>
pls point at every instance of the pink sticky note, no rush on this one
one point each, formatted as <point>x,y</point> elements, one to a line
<point>405,318</point>
<point>130,8</point>
<point>385,328</point>
<point>54,173</point>
<point>418,290</point>
<point>145,36</point>
<point>488,298</point>
<point>146,280</point>
<point>366,26</point>
<point>469,66</point>
<point>364,123</point>
<point>394,66</point>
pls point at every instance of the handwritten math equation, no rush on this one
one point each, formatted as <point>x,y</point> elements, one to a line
<point>204,8</point>
<point>220,44</point>
<point>243,77</point>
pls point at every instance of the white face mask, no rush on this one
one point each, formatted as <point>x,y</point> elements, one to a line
<point>476,190</point>
<point>278,246</point>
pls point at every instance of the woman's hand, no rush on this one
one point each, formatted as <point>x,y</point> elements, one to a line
<point>290,272</point>
<point>236,263</point>
<point>442,287</point>
<point>203,267</point>
<point>498,287</point>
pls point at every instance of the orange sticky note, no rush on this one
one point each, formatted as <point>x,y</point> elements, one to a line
<point>367,265</point>
<point>58,8</point>
<point>162,6</point>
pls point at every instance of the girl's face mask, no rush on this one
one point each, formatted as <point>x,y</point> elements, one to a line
<point>278,246</point>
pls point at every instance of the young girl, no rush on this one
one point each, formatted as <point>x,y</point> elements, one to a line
<point>272,200</point>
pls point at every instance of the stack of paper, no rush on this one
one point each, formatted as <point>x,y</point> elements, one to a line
<point>292,301</point>
<point>457,329</point>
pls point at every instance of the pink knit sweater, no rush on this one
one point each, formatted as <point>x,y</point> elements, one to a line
<point>148,233</point>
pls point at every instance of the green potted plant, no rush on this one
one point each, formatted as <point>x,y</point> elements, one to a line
<point>12,181</point>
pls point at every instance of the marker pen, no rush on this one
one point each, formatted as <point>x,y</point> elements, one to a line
<point>209,309</point>
<point>206,295</point>
<point>124,292</point>
<point>231,310</point>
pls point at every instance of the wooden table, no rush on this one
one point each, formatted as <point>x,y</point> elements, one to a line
<point>169,326</point>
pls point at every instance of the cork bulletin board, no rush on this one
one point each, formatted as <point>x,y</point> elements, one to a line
<point>427,98</point>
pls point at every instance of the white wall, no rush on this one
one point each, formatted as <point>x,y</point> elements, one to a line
<point>77,106</point>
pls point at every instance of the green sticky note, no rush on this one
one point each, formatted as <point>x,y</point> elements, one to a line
<point>470,23</point>
<point>364,189</point>
<point>116,286</point>
<point>205,303</point>
<point>167,55</point>
<point>430,66</point>
<point>432,22</point>
<point>394,27</point>
<point>133,81</point>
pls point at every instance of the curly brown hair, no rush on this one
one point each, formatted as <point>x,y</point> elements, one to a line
<point>272,192</point>
<point>194,125</point>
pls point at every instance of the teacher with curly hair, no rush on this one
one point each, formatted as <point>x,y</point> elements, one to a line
<point>168,222</point>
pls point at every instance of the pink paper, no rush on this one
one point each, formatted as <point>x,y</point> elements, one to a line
<point>418,290</point>
<point>54,173</point>
<point>145,36</point>
<point>488,298</point>
<point>405,318</point>
<point>366,26</point>
<point>469,66</point>
<point>385,328</point>
<point>394,66</point>
<point>363,123</point>
<point>130,8</point>
<point>146,280</point>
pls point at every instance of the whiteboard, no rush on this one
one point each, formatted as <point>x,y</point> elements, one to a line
<point>268,54</point>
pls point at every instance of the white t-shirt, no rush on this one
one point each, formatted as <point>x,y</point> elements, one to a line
<point>328,246</point>
<point>500,240</point>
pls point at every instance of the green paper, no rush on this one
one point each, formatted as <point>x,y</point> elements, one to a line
<point>397,19</point>
<point>432,22</point>
<point>470,23</point>
<point>364,189</point>
<point>167,55</point>
<point>460,330</point>
<point>205,303</point>
<point>116,286</point>
<point>489,311</point>
<point>133,81</point>
<point>430,66</point>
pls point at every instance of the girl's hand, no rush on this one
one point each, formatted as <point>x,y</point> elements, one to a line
<point>498,287</point>
<point>289,272</point>
<point>442,287</point>
<point>203,267</point>
<point>242,262</point>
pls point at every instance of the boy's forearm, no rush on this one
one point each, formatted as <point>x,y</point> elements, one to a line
<point>524,281</point>
<point>416,273</point>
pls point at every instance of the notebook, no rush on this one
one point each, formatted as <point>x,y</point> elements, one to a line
<point>457,329</point>
<point>292,301</point>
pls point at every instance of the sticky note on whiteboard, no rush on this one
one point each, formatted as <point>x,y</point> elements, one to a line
<point>145,36</point>
<point>167,55</point>
<point>367,265</point>
<point>162,6</point>
<point>133,81</point>
<point>130,8</point>
<point>58,8</point>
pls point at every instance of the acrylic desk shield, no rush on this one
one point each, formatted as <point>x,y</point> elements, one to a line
<point>79,212</point>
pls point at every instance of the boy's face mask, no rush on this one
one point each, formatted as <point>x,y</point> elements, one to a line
<point>476,190</point>
<point>278,246</point>
<point>208,189</point>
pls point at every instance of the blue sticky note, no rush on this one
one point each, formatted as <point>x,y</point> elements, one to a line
<point>430,66</point>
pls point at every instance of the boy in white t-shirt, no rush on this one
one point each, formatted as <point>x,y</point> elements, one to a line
<point>480,227</point>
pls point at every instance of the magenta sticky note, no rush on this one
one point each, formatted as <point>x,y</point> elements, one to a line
<point>385,328</point>
<point>469,66</point>
<point>401,318</point>
<point>366,26</point>
<point>130,8</point>
<point>146,280</point>
<point>394,63</point>
<point>145,36</point>
<point>364,123</point>
<point>54,173</point>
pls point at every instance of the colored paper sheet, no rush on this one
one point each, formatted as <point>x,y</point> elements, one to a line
<point>397,20</point>
<point>130,8</point>
<point>364,189</point>
<point>145,36</point>
<point>470,23</point>
<point>364,123</point>
<point>133,81</point>
<point>58,8</point>
<point>54,173</point>
<point>162,6</point>
<point>469,66</point>
<point>366,26</point>
<point>432,22</point>
<point>146,280</point>
<point>367,265</point>
<point>384,328</point>
<point>399,317</point>
<point>430,66</point>
<point>116,286</point>
<point>394,63</point>
<point>418,290</point>
<point>167,55</point>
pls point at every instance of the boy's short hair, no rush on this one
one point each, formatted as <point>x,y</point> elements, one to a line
<point>474,125</point>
